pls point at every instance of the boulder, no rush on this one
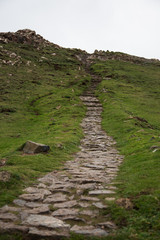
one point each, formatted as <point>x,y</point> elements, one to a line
<point>33,147</point>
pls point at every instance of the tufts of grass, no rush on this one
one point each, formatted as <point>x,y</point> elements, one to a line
<point>130,94</point>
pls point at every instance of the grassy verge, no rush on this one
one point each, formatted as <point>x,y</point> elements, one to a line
<point>39,101</point>
<point>130,95</point>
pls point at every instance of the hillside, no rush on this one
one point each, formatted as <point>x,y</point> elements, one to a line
<point>40,85</point>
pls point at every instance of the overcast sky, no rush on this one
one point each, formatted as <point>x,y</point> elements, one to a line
<point>130,26</point>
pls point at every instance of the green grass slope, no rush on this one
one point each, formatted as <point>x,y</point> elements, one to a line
<point>130,95</point>
<point>39,101</point>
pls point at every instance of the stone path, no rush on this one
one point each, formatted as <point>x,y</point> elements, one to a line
<point>75,198</point>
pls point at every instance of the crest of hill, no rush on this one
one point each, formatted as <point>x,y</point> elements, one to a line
<point>27,36</point>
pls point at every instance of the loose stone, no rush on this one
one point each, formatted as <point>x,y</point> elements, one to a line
<point>89,230</point>
<point>99,192</point>
<point>68,204</point>
<point>8,216</point>
<point>32,197</point>
<point>65,212</point>
<point>47,233</point>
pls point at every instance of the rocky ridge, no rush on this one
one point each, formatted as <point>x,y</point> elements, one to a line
<point>27,36</point>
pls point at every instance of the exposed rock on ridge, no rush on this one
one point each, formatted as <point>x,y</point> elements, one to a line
<point>25,36</point>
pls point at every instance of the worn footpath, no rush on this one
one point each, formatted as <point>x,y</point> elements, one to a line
<point>73,199</point>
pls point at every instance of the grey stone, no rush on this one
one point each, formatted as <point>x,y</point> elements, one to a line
<point>32,197</point>
<point>86,186</point>
<point>110,199</point>
<point>8,216</point>
<point>45,221</point>
<point>47,233</point>
<point>65,212</point>
<point>84,204</point>
<point>19,202</point>
<point>92,213</point>
<point>45,192</point>
<point>33,147</point>
<point>85,198</point>
<point>42,209</point>
<point>56,198</point>
<point>89,230</point>
<point>99,192</point>
<point>6,226</point>
<point>99,205</point>
<point>4,176</point>
<point>68,204</point>
<point>108,224</point>
<point>35,204</point>
<point>7,208</point>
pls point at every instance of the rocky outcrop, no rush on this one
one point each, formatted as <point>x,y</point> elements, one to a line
<point>25,36</point>
<point>33,147</point>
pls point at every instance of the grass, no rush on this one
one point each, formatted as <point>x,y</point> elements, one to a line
<point>39,102</point>
<point>130,94</point>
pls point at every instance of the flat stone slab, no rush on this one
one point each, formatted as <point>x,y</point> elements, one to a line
<point>99,192</point>
<point>56,198</point>
<point>35,205</point>
<point>91,213</point>
<point>42,209</point>
<point>47,233</point>
<point>99,205</point>
<point>89,230</point>
<point>32,197</point>
<point>8,216</point>
<point>19,202</point>
<point>85,198</point>
<point>7,208</point>
<point>45,221</point>
<point>6,226</point>
<point>45,192</point>
<point>108,224</point>
<point>65,212</point>
<point>68,204</point>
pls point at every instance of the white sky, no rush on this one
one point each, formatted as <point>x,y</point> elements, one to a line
<point>130,26</point>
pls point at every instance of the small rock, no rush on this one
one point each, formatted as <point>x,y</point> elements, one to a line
<point>110,199</point>
<point>124,203</point>
<point>8,216</point>
<point>5,226</point>
<point>5,176</point>
<point>65,212</point>
<point>99,205</point>
<point>56,198</point>
<point>84,198</point>
<point>89,230</point>
<point>32,197</point>
<point>108,224</point>
<point>7,208</point>
<point>89,213</point>
<point>19,202</point>
<point>83,204</point>
<point>35,205</point>
<point>45,192</point>
<point>68,204</point>
<point>33,147</point>
<point>98,192</point>
<point>47,233</point>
